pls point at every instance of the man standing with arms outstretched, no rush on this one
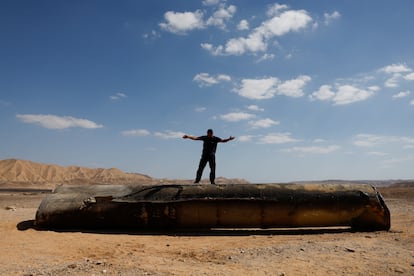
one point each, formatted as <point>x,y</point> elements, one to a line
<point>209,153</point>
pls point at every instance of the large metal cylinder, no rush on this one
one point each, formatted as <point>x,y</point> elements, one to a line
<point>360,207</point>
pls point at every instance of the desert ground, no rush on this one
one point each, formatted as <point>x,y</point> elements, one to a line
<point>30,251</point>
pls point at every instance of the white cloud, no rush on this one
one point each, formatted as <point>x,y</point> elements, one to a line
<point>221,16</point>
<point>293,88</point>
<point>153,35</point>
<point>260,89</point>
<point>210,48</point>
<point>200,109</point>
<point>368,140</point>
<point>211,2</point>
<point>395,68</point>
<point>182,22</point>
<point>254,107</point>
<point>396,71</point>
<point>324,93</point>
<point>263,123</point>
<point>409,77</point>
<point>238,46</point>
<point>236,116</point>
<point>349,94</point>
<point>314,149</point>
<point>243,25</point>
<point>404,139</point>
<point>266,56</point>
<point>169,134</point>
<point>245,138</point>
<point>275,9</point>
<point>271,138</point>
<point>329,17</point>
<point>393,81</point>
<point>401,94</point>
<point>118,96</point>
<point>285,22</point>
<point>374,88</point>
<point>345,94</point>
<point>412,102</point>
<point>257,41</point>
<point>371,140</point>
<point>204,79</point>
<point>223,77</point>
<point>57,122</point>
<point>277,138</point>
<point>136,132</point>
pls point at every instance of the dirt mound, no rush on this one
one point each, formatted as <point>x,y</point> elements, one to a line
<point>14,172</point>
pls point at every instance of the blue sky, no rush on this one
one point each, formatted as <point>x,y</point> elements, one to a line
<point>312,90</point>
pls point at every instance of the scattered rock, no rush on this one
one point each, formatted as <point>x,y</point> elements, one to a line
<point>347,249</point>
<point>11,208</point>
<point>72,266</point>
<point>399,270</point>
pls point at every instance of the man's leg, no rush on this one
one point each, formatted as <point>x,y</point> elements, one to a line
<point>212,164</point>
<point>201,166</point>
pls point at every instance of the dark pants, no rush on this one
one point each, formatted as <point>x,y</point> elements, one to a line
<point>211,159</point>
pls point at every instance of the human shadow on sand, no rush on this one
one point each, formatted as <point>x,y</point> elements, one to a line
<point>30,224</point>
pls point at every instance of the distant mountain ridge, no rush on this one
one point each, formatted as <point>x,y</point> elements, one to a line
<point>38,174</point>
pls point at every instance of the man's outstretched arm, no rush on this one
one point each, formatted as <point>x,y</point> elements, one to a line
<point>228,139</point>
<point>191,137</point>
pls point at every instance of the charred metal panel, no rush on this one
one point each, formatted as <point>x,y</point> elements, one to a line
<point>209,206</point>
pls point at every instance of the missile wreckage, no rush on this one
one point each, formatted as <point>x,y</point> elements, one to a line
<point>360,207</point>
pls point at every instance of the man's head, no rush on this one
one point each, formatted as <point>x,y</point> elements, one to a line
<point>210,132</point>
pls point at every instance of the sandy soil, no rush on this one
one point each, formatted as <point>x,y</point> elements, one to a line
<point>27,251</point>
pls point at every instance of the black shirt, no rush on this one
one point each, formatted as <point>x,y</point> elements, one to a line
<point>209,144</point>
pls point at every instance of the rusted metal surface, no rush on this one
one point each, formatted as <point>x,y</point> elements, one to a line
<point>360,207</point>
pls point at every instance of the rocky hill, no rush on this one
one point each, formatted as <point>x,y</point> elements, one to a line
<point>15,173</point>
<point>28,174</point>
